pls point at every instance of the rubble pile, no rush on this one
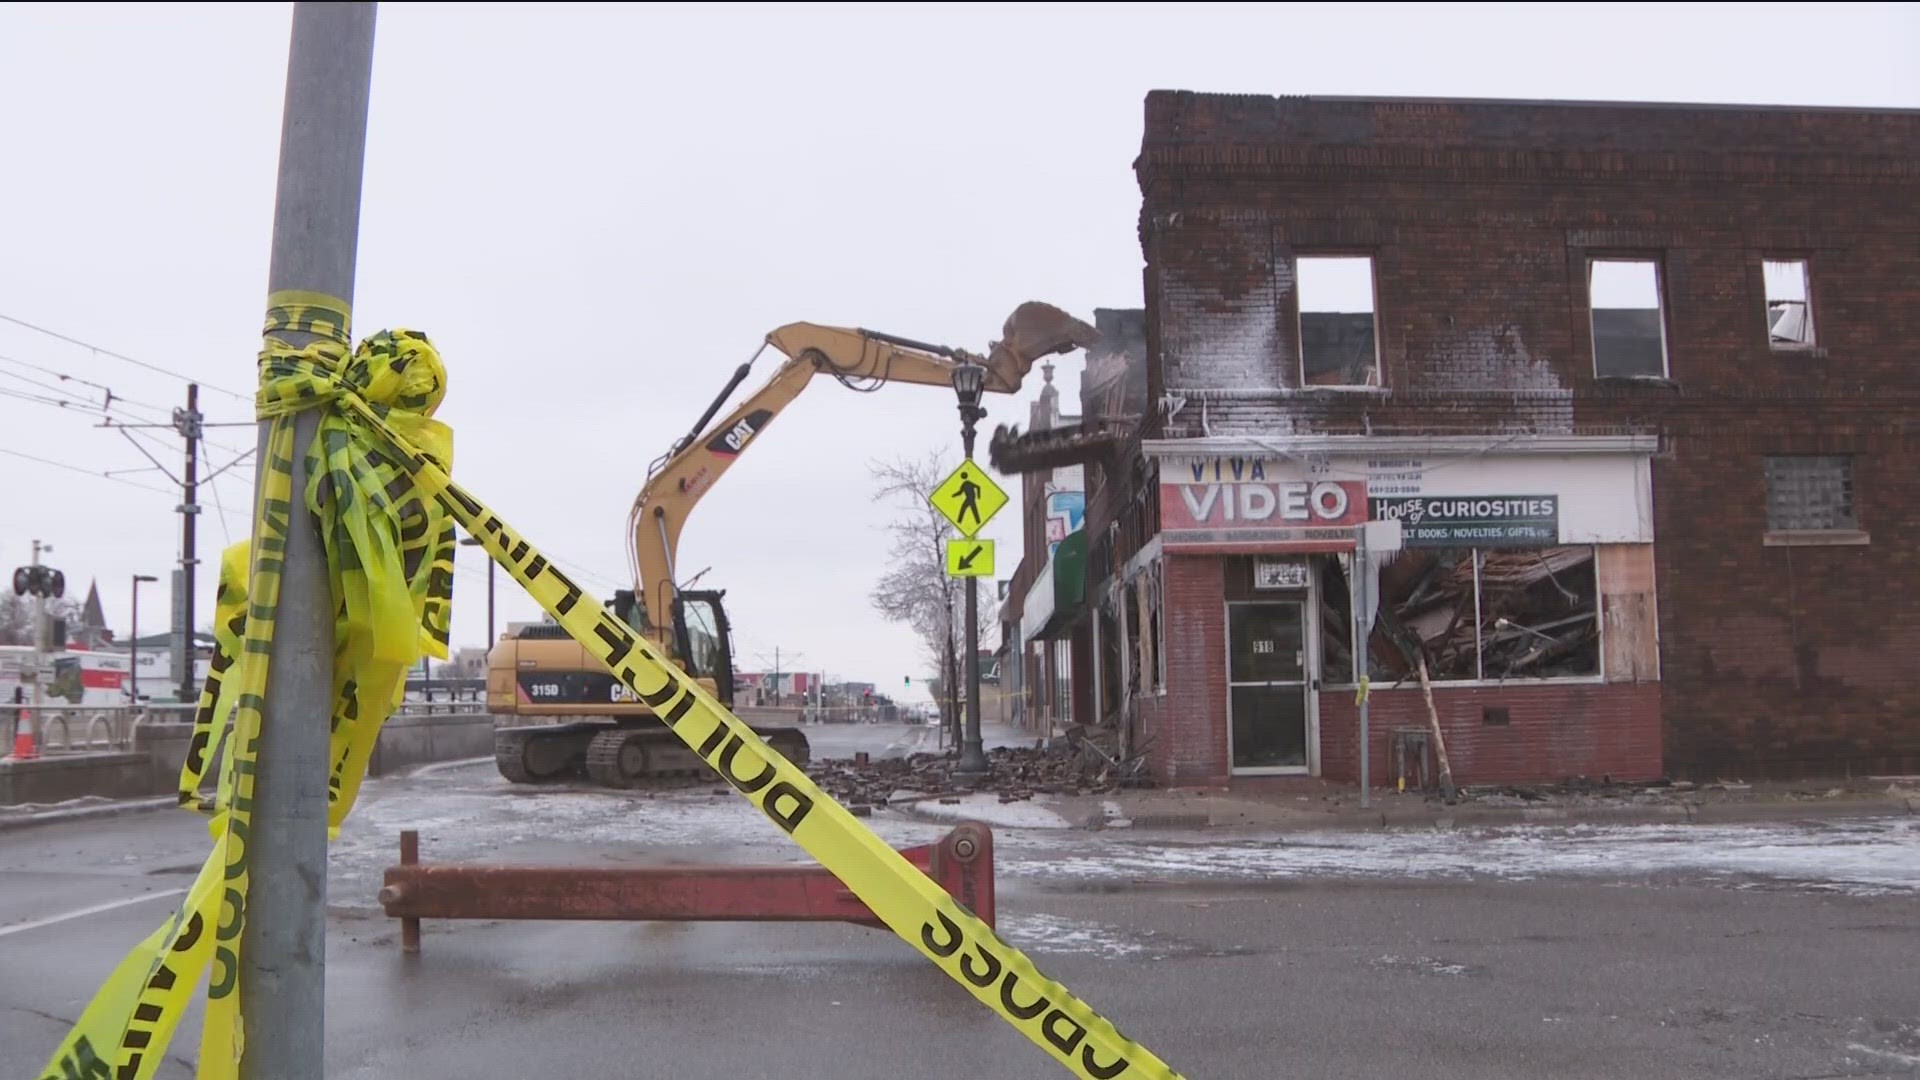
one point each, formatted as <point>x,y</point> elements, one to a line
<point>1018,773</point>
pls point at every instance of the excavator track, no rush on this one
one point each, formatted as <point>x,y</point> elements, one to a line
<point>618,758</point>
<point>628,757</point>
<point>536,755</point>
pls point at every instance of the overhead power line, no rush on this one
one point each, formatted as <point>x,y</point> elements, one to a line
<point>88,472</point>
<point>69,404</point>
<point>102,351</point>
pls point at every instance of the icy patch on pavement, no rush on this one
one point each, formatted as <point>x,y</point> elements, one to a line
<point>1425,965</point>
<point>987,807</point>
<point>1053,934</point>
<point>1910,1060</point>
<point>1863,858</point>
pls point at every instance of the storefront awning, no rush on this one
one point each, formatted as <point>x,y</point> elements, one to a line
<point>1059,595</point>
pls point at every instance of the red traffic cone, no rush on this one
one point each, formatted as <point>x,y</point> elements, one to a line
<point>25,747</point>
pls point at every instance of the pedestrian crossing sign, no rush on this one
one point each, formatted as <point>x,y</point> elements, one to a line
<point>968,498</point>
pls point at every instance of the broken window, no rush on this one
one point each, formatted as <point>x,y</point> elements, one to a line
<point>1810,494</point>
<point>1629,332</point>
<point>1789,304</point>
<point>1338,343</point>
<point>1500,614</point>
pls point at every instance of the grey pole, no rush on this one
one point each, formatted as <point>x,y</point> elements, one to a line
<point>187,423</point>
<point>316,226</point>
<point>973,759</point>
<point>40,649</point>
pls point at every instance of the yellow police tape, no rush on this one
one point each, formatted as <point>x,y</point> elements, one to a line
<point>390,557</point>
<point>906,900</point>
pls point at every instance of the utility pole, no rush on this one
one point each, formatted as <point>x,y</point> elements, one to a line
<point>187,422</point>
<point>316,227</point>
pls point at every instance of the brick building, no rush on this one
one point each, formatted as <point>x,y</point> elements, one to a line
<point>1637,381</point>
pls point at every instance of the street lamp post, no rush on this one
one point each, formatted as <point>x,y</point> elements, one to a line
<point>474,541</point>
<point>969,379</point>
<point>133,643</point>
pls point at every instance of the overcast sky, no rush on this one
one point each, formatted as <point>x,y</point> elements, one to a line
<point>598,212</point>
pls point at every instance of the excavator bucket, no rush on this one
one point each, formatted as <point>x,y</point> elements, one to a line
<point>1033,331</point>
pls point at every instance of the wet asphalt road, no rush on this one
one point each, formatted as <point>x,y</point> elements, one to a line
<point>1267,971</point>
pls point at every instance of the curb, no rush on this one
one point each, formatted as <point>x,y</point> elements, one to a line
<point>9,823</point>
<point>118,807</point>
<point>431,767</point>
<point>1482,817</point>
<point>912,809</point>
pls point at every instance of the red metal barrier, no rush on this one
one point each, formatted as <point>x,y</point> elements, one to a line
<point>961,863</point>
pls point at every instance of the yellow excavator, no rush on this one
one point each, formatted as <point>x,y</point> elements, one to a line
<point>558,713</point>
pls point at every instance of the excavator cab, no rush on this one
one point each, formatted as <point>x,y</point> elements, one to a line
<point>704,639</point>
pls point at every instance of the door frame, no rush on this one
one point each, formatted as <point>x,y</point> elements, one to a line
<point>1308,599</point>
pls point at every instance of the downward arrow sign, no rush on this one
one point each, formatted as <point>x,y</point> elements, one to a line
<point>966,561</point>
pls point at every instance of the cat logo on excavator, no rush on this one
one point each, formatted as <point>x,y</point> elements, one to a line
<point>735,439</point>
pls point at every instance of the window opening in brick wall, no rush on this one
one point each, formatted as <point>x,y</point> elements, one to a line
<point>1112,665</point>
<point>1810,494</point>
<point>1156,636</point>
<point>1789,303</point>
<point>1339,345</point>
<point>1336,619</point>
<point>1495,614</point>
<point>1131,605</point>
<point>1062,680</point>
<point>1629,330</point>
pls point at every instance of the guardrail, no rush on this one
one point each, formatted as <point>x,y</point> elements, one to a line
<point>60,728</point>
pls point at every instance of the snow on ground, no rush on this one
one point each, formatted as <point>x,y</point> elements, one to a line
<point>1041,933</point>
<point>475,815</point>
<point>987,808</point>
<point>1865,857</point>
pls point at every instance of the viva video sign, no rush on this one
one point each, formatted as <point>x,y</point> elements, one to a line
<point>1486,521</point>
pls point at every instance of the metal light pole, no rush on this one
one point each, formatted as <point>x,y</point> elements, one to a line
<point>969,379</point>
<point>133,642</point>
<point>474,541</point>
<point>316,228</point>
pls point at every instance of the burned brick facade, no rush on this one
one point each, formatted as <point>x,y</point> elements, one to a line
<point>1674,346</point>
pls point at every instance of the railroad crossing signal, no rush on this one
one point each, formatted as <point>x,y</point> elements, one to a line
<point>969,558</point>
<point>968,498</point>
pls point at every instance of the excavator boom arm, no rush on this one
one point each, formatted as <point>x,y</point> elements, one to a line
<point>861,359</point>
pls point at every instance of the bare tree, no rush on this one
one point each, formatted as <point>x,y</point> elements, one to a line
<point>915,590</point>
<point>16,616</point>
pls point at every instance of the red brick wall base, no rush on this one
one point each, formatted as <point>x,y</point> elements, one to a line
<point>1554,731</point>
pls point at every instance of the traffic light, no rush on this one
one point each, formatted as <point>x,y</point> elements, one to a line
<point>39,581</point>
<point>908,681</point>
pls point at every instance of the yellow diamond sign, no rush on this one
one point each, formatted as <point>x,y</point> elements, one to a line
<point>968,497</point>
<point>969,558</point>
